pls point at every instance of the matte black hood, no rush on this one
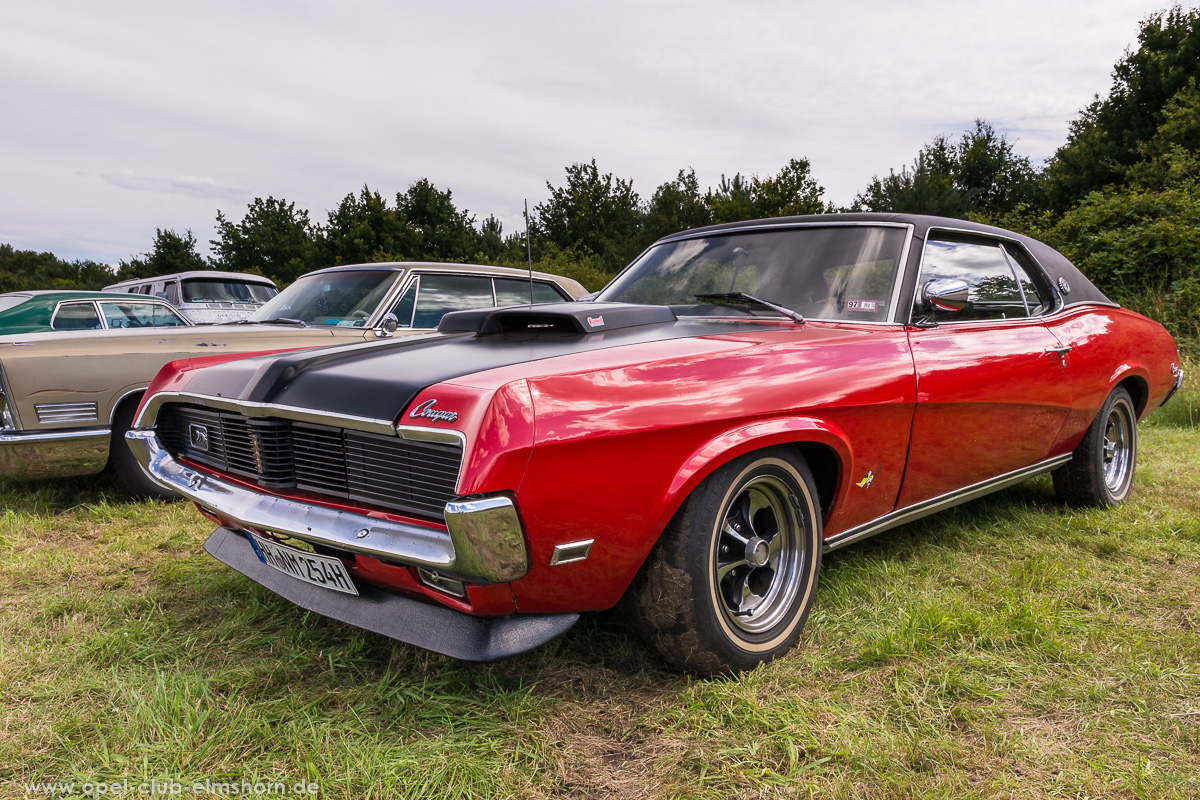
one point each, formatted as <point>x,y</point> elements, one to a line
<point>378,380</point>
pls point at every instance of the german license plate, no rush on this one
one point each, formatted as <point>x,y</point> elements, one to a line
<point>308,567</point>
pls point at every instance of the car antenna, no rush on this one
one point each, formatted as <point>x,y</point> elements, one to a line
<point>529,251</point>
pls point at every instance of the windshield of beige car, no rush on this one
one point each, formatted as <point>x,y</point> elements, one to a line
<point>833,272</point>
<point>342,299</point>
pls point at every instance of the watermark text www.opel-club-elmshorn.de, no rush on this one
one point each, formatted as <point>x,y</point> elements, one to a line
<point>172,787</point>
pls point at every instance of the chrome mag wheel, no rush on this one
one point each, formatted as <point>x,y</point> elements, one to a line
<point>757,562</point>
<point>1119,447</point>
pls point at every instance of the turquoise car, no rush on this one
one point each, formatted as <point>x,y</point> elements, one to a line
<point>37,311</point>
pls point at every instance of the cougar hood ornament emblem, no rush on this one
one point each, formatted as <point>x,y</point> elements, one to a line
<point>426,410</point>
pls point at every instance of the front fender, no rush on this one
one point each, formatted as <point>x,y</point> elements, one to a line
<point>731,444</point>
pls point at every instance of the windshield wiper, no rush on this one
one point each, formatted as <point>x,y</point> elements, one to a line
<point>795,316</point>
<point>281,321</point>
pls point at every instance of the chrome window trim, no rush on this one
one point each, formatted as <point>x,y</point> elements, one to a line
<point>941,502</point>
<point>59,306</point>
<point>1000,239</point>
<point>153,303</point>
<point>149,413</point>
<point>390,298</point>
<point>1012,267</point>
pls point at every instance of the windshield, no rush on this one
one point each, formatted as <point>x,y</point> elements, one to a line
<point>343,298</point>
<point>205,290</point>
<point>840,272</point>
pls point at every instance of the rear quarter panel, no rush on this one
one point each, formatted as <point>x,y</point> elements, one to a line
<point>1111,345</point>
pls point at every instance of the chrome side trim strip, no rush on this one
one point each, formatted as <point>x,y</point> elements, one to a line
<point>150,412</point>
<point>24,437</point>
<point>936,504</point>
<point>346,530</point>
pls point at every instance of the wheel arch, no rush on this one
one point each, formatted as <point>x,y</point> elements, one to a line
<point>1139,390</point>
<point>127,395</point>
<point>822,444</point>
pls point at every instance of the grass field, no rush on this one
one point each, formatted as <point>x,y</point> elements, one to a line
<point>1008,648</point>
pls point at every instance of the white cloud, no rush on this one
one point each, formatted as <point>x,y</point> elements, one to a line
<point>183,184</point>
<point>309,101</point>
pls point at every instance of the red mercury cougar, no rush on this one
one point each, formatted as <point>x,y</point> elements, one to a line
<point>738,401</point>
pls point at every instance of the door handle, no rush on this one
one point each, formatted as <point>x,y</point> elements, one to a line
<point>1061,352</point>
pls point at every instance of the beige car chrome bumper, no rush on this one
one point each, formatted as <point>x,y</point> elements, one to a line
<point>485,541</point>
<point>53,454</point>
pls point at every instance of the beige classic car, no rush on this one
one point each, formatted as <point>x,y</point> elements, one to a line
<point>66,398</point>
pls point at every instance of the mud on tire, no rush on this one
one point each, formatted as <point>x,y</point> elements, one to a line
<point>731,582</point>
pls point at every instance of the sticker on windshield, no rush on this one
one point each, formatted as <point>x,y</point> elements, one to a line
<point>862,305</point>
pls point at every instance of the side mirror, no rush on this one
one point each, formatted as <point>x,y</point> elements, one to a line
<point>946,294</point>
<point>389,325</point>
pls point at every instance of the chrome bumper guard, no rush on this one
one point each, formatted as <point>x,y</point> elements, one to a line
<point>485,540</point>
<point>1178,373</point>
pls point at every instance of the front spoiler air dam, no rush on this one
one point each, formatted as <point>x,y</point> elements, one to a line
<point>425,625</point>
<point>485,540</point>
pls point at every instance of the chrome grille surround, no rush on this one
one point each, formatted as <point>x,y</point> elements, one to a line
<point>387,471</point>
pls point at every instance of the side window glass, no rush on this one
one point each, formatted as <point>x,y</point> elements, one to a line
<point>1037,297</point>
<point>515,292</point>
<point>404,308</point>
<point>441,294</point>
<point>76,317</point>
<point>127,315</point>
<point>173,293</point>
<point>993,291</point>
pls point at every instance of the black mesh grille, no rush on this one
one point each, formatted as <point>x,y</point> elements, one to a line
<point>412,476</point>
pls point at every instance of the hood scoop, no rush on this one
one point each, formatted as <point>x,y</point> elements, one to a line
<point>554,318</point>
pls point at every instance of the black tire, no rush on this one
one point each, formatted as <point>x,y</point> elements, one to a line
<point>123,469</point>
<point>711,599</point>
<point>1100,472</point>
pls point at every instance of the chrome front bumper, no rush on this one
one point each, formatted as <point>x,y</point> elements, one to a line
<point>485,541</point>
<point>53,454</point>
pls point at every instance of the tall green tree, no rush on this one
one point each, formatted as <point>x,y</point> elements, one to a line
<point>732,200</point>
<point>793,191</point>
<point>25,270</point>
<point>364,228</point>
<point>675,206</point>
<point>439,231</point>
<point>980,173</point>
<point>171,253</point>
<point>592,213</point>
<point>1108,137</point>
<point>274,239</point>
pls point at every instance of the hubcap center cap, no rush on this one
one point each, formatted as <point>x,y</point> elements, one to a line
<point>757,552</point>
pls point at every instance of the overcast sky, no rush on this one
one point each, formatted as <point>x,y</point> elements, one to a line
<point>122,117</point>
